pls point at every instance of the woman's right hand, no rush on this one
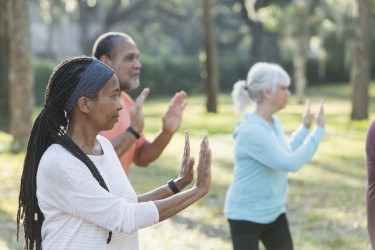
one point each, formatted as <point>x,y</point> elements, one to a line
<point>204,167</point>
<point>186,175</point>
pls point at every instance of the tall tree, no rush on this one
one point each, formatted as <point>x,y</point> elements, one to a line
<point>286,19</point>
<point>4,63</point>
<point>360,71</point>
<point>20,77</point>
<point>52,16</point>
<point>297,38</point>
<point>87,15</point>
<point>211,75</point>
<point>95,14</point>
<point>264,46</point>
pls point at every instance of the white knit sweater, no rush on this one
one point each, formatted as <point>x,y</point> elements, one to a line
<point>78,212</point>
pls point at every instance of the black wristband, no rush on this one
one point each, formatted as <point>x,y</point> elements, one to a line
<point>133,132</point>
<point>173,186</point>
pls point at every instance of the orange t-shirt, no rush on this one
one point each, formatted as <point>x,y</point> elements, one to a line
<point>120,127</point>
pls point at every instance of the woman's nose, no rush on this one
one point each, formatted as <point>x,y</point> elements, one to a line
<point>119,105</point>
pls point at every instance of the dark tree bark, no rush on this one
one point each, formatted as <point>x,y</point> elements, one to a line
<point>360,71</point>
<point>4,64</point>
<point>89,16</point>
<point>86,15</point>
<point>20,77</point>
<point>264,45</point>
<point>298,41</point>
<point>212,74</point>
<point>114,15</point>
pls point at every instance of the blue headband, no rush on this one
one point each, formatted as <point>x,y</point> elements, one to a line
<point>93,78</point>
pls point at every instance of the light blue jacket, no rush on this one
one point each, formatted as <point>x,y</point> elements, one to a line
<point>259,189</point>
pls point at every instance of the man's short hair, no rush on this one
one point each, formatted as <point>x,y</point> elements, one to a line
<point>106,43</point>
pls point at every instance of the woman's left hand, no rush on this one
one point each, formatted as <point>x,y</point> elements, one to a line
<point>186,175</point>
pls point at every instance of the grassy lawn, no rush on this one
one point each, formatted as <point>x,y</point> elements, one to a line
<point>326,205</point>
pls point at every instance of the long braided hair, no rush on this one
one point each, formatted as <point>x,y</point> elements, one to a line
<point>50,127</point>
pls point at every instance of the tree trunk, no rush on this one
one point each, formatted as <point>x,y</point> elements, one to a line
<point>85,16</point>
<point>360,71</point>
<point>4,64</point>
<point>20,77</point>
<point>299,69</point>
<point>114,15</point>
<point>264,45</point>
<point>212,74</point>
<point>297,38</point>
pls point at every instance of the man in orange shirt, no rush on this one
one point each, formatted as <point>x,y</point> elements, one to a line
<point>120,52</point>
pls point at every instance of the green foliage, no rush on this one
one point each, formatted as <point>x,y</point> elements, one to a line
<point>42,69</point>
<point>330,21</point>
<point>231,70</point>
<point>337,70</point>
<point>270,17</point>
<point>166,76</point>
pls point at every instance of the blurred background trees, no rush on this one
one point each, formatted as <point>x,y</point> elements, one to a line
<point>316,41</point>
<point>360,70</point>
<point>210,73</point>
<point>17,82</point>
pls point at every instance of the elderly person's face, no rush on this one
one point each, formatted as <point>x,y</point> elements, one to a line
<point>126,65</point>
<point>104,109</point>
<point>279,97</point>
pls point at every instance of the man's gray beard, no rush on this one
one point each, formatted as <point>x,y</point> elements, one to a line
<point>135,86</point>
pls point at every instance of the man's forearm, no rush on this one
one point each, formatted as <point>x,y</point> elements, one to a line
<point>123,142</point>
<point>150,151</point>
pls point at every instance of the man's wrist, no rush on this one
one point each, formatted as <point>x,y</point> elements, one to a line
<point>132,131</point>
<point>165,132</point>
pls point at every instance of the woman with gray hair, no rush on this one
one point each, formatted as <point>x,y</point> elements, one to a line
<point>256,198</point>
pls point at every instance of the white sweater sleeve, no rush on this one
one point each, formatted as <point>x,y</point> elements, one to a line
<point>66,183</point>
<point>93,203</point>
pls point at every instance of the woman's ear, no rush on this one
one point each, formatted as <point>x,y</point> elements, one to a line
<point>83,104</point>
<point>266,93</point>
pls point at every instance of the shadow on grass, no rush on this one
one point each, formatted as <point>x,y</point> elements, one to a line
<point>209,230</point>
<point>330,214</point>
<point>8,232</point>
<point>357,172</point>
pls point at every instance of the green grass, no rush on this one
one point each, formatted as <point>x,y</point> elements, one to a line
<point>326,205</point>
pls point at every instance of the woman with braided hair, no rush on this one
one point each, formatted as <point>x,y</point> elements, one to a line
<point>74,193</point>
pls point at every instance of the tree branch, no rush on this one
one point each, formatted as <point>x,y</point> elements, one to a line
<point>114,16</point>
